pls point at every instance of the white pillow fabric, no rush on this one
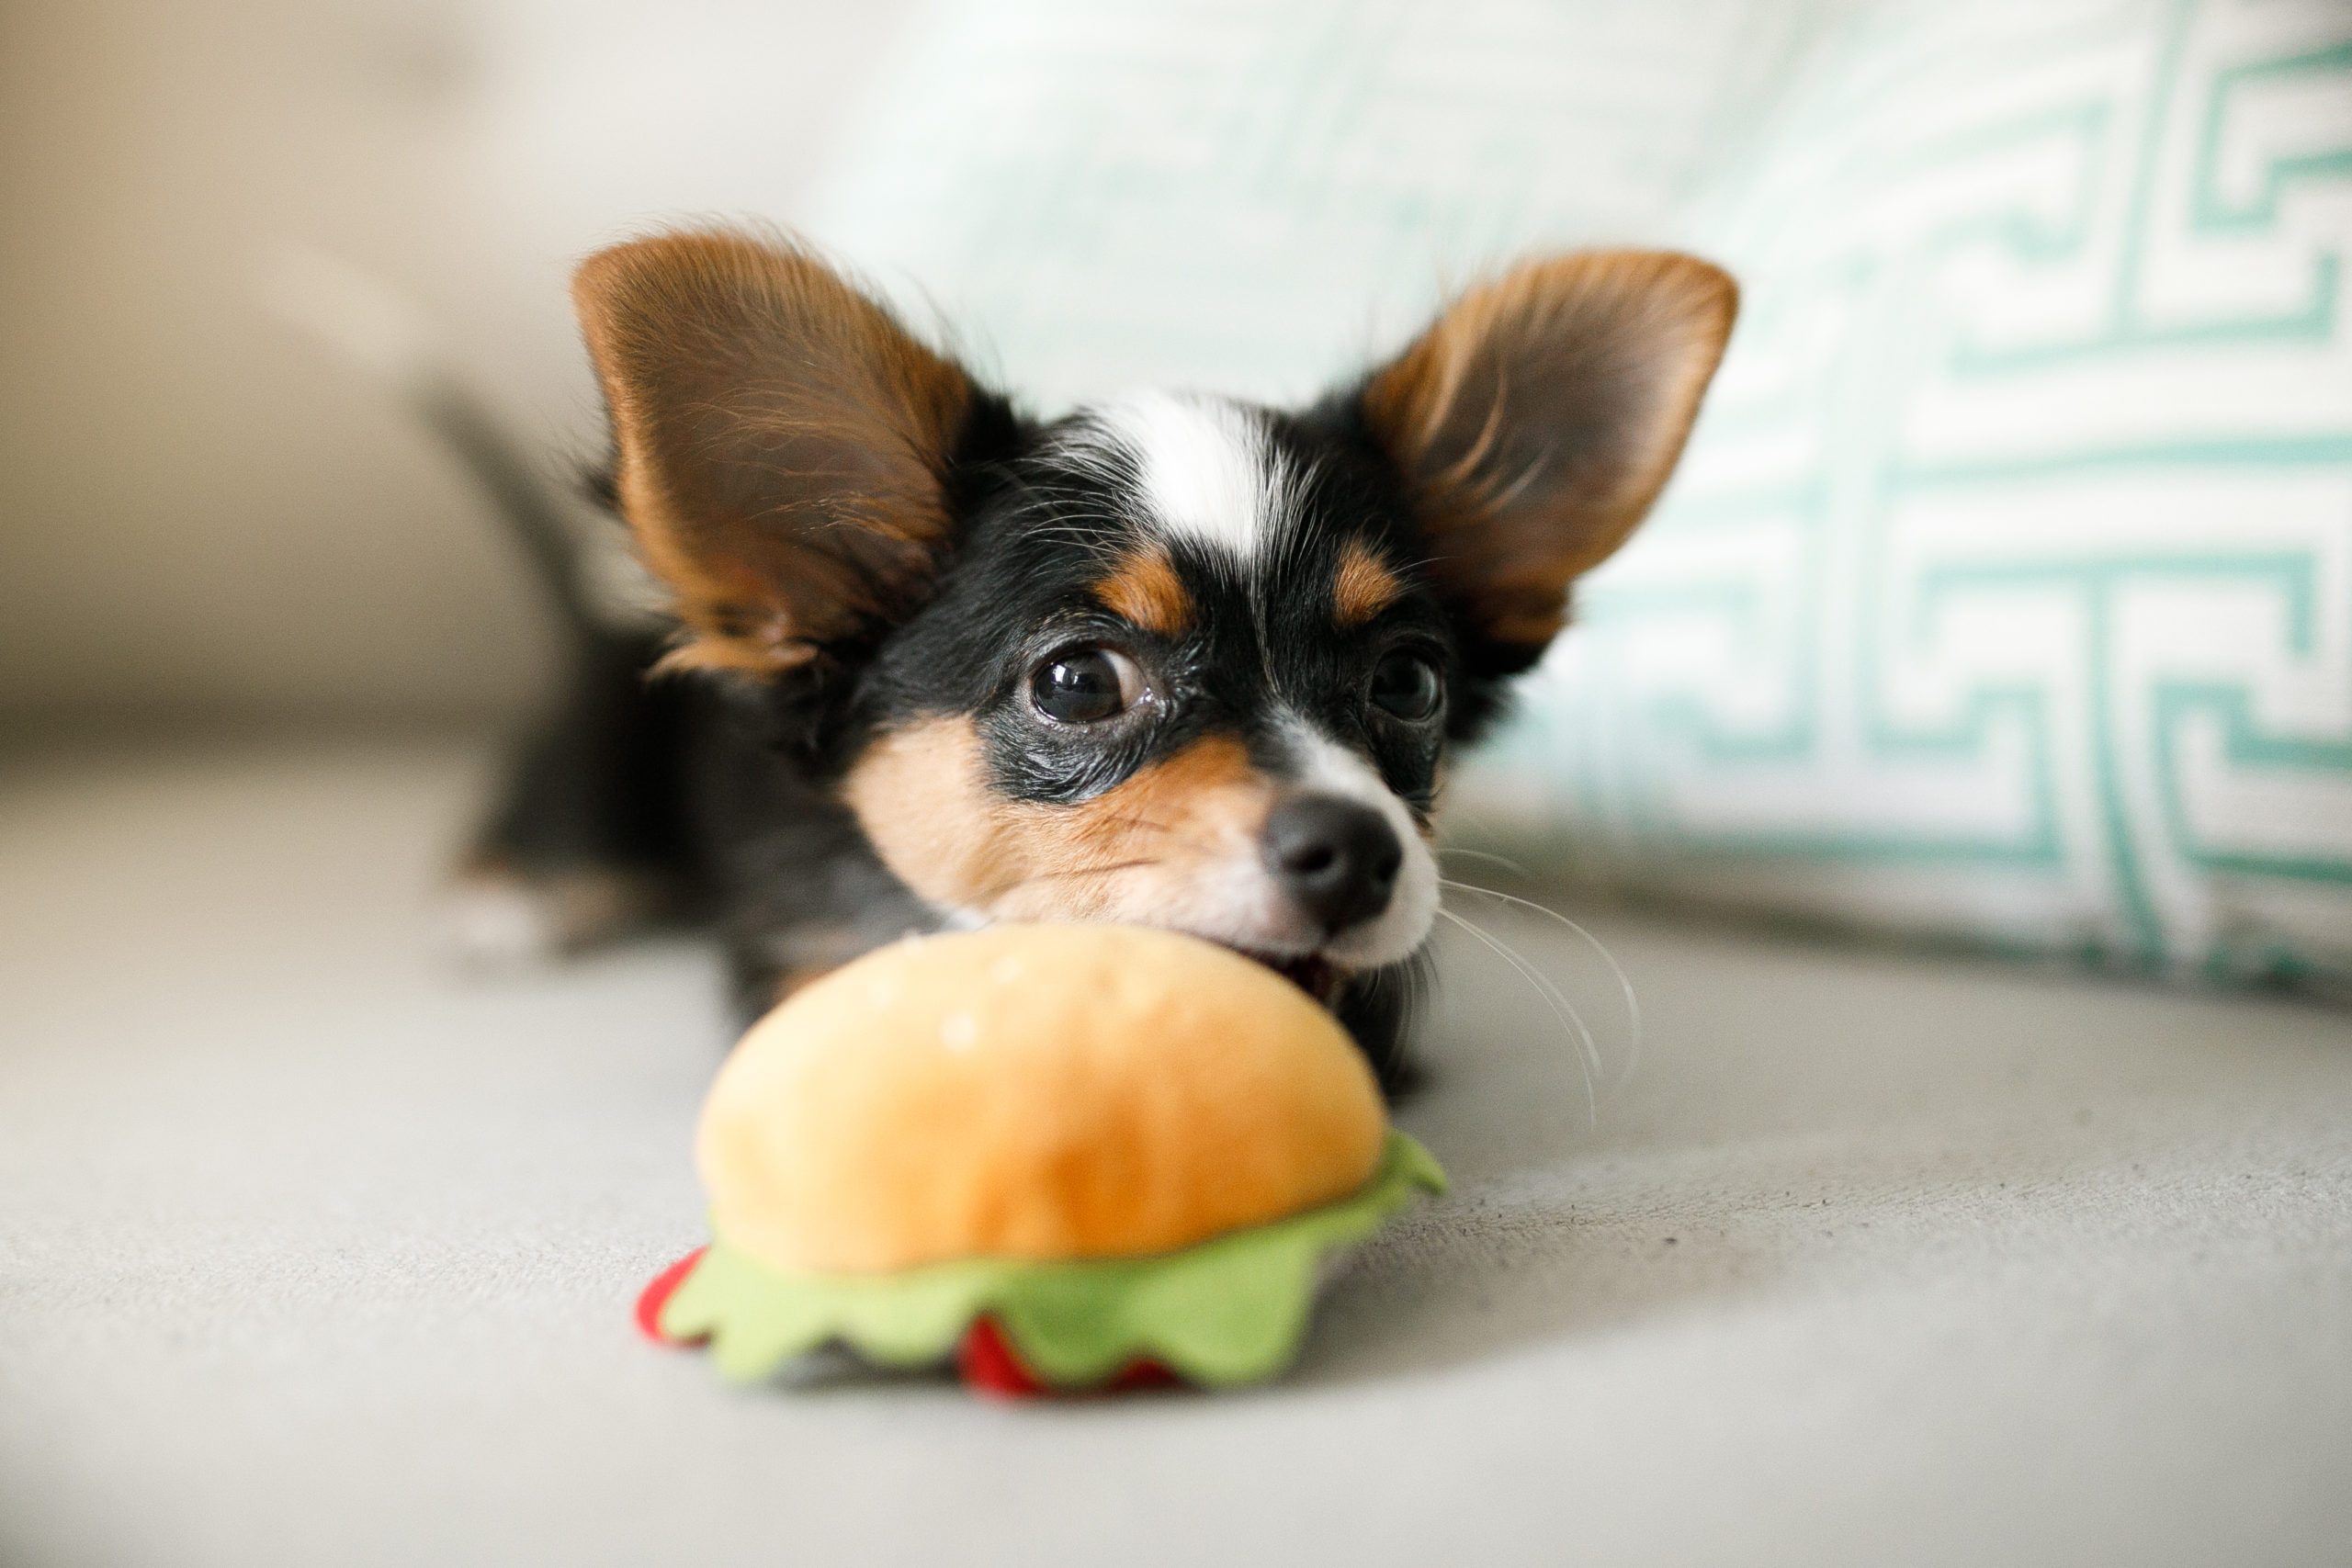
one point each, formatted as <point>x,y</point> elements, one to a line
<point>1257,199</point>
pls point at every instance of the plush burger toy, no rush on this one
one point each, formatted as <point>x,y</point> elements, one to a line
<point>1066,1157</point>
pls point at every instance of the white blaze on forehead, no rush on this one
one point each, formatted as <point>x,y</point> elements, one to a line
<point>1207,471</point>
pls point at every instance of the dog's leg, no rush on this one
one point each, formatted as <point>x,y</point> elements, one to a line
<point>1378,1009</point>
<point>803,902</point>
<point>583,841</point>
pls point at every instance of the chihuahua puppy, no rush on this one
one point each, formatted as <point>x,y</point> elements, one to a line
<point>1170,659</point>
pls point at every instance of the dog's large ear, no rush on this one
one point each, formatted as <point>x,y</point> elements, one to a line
<point>1535,422</point>
<point>782,442</point>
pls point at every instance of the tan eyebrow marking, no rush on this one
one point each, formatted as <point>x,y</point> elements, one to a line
<point>1362,587</point>
<point>1145,589</point>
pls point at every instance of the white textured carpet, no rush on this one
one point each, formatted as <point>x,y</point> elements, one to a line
<point>313,1253</point>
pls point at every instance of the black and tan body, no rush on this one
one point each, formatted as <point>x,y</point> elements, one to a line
<point>1170,659</point>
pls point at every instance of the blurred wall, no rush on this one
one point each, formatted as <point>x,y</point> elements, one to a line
<point>201,510</point>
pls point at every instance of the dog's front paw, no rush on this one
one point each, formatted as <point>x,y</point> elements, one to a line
<point>496,917</point>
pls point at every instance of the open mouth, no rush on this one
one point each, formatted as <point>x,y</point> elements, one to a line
<point>1318,977</point>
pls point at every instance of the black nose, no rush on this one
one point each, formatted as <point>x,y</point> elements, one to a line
<point>1336,858</point>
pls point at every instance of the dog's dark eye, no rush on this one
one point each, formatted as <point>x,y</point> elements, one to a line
<point>1407,686</point>
<point>1086,685</point>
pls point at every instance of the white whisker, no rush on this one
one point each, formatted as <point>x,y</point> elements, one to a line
<point>1625,981</point>
<point>1588,1064</point>
<point>1508,864</point>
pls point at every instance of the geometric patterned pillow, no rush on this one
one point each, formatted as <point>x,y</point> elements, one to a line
<point>2006,590</point>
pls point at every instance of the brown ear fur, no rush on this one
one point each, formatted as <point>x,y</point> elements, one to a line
<point>1538,418</point>
<point>781,441</point>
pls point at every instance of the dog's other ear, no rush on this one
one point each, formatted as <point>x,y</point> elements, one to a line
<point>782,443</point>
<point>1535,422</point>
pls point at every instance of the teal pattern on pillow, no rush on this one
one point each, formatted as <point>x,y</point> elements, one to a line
<point>2006,591</point>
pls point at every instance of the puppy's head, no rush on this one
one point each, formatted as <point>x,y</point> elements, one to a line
<point>1171,659</point>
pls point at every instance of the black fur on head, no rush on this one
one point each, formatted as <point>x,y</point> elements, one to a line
<point>1172,660</point>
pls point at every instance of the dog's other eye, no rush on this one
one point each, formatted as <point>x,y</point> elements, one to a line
<point>1407,686</point>
<point>1086,685</point>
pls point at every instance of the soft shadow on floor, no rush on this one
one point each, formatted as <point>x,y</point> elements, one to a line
<point>1797,1118</point>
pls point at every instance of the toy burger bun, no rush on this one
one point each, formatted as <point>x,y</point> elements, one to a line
<point>1073,1151</point>
<point>1058,1093</point>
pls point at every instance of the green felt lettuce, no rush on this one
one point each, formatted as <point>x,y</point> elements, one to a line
<point>1230,1310</point>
